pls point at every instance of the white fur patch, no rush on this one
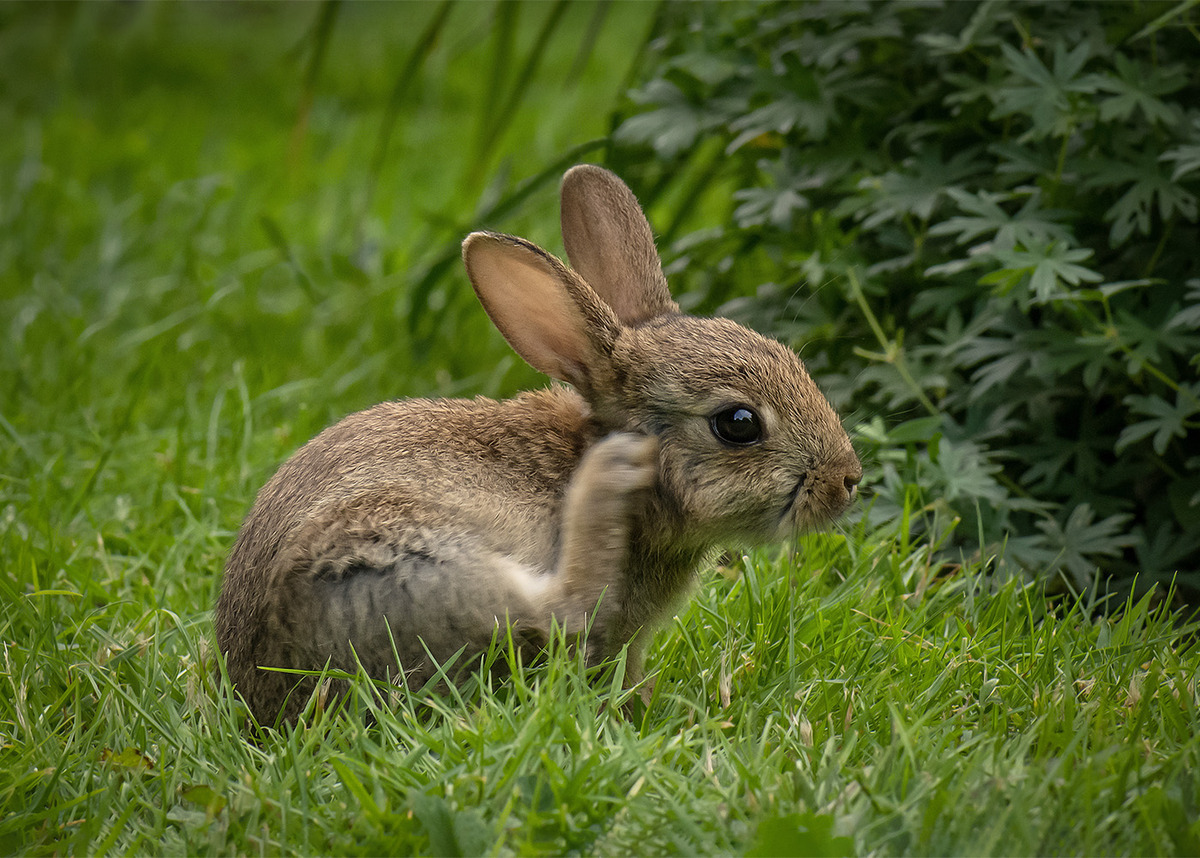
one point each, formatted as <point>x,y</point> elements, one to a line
<point>530,583</point>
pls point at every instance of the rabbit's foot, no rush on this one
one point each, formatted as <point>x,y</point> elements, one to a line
<point>618,466</point>
<point>596,520</point>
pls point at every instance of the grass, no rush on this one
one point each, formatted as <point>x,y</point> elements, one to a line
<point>907,716</point>
<point>203,261</point>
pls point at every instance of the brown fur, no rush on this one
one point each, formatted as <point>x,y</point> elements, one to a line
<point>425,525</point>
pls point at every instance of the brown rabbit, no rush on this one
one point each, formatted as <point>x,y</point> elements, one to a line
<point>417,528</point>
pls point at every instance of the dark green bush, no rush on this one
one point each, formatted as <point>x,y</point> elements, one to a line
<point>981,222</point>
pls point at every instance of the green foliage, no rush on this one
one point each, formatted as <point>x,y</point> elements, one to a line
<point>803,835</point>
<point>984,213</point>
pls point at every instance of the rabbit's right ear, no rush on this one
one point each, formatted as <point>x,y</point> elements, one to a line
<point>546,312</point>
<point>610,243</point>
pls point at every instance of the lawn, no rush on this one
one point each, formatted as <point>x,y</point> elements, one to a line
<point>223,228</point>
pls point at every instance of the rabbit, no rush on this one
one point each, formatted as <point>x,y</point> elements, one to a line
<point>405,535</point>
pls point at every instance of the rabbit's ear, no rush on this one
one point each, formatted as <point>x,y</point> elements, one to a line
<point>545,310</point>
<point>610,243</point>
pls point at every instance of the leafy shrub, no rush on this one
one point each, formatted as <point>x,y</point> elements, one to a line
<point>981,218</point>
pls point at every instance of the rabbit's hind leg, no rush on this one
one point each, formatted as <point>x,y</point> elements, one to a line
<point>394,606</point>
<point>413,601</point>
<point>590,586</point>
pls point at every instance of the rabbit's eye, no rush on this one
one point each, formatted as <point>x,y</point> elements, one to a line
<point>737,425</point>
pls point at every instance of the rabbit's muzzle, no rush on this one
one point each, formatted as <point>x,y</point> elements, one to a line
<point>822,494</point>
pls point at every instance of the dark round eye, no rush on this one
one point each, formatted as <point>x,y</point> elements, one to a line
<point>736,425</point>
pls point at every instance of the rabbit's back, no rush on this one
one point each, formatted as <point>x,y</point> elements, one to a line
<point>474,457</point>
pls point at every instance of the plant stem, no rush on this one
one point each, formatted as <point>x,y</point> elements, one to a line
<point>893,353</point>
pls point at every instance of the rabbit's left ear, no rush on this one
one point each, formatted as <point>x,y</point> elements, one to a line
<point>546,312</point>
<point>611,245</point>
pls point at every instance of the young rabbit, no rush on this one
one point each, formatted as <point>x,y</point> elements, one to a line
<point>416,528</point>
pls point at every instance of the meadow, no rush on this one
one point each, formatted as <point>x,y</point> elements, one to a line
<point>223,228</point>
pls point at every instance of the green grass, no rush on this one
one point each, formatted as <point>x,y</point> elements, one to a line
<point>197,273</point>
<point>911,716</point>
